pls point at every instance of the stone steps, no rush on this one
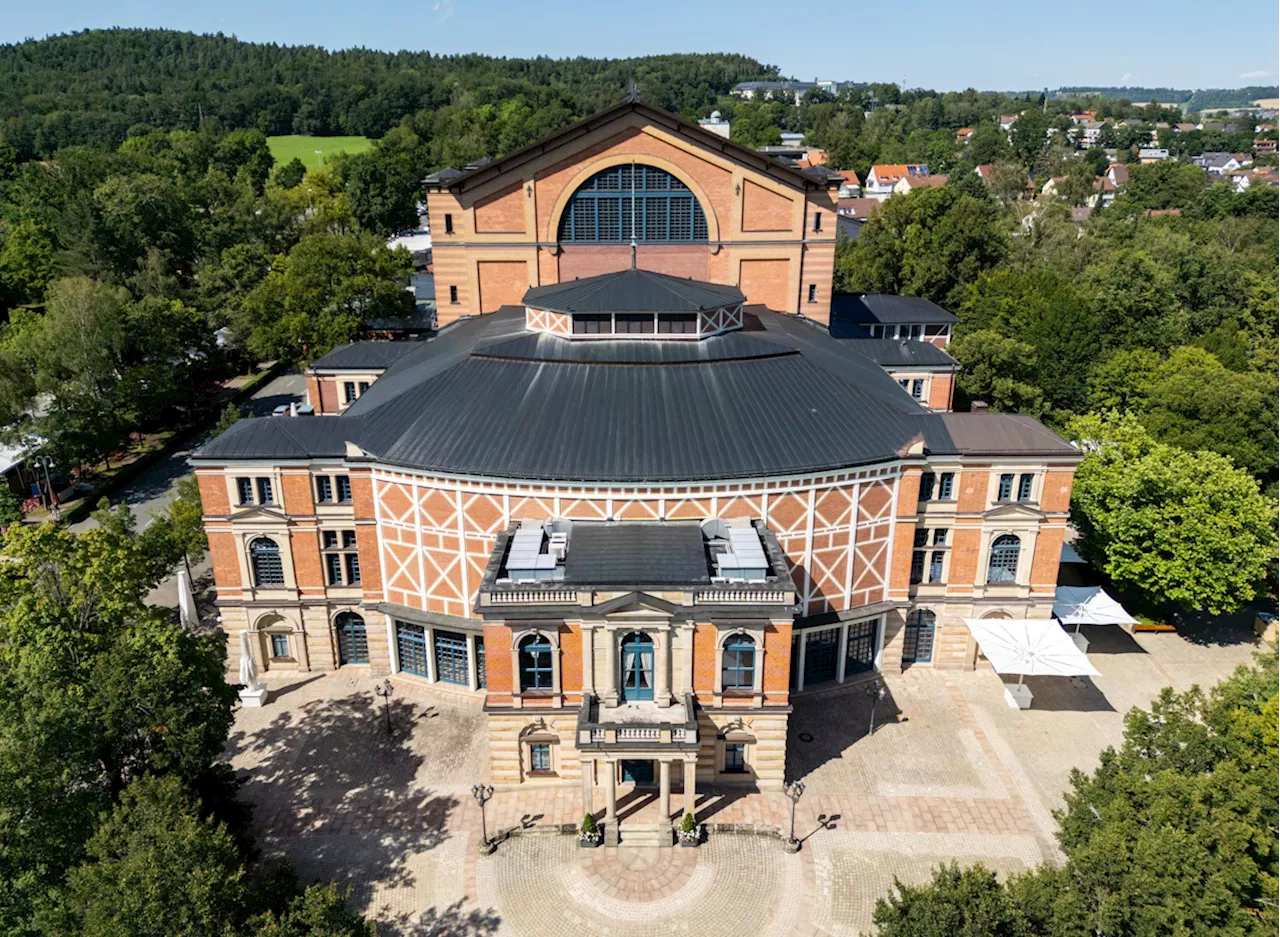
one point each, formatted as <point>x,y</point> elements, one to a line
<point>645,834</point>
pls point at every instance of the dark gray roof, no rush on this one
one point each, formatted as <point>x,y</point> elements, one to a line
<point>364,355</point>
<point>633,291</point>
<point>424,286</point>
<point>648,554</point>
<point>987,433</point>
<point>782,396</point>
<point>283,437</point>
<point>904,353</point>
<point>884,308</point>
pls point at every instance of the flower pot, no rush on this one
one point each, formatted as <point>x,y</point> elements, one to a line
<point>589,842</point>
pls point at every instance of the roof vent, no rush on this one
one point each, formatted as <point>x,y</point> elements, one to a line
<point>979,406</point>
<point>529,559</point>
<point>736,551</point>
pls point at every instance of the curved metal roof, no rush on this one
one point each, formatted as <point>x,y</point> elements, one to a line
<point>633,291</point>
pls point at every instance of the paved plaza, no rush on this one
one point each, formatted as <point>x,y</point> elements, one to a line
<point>950,772</point>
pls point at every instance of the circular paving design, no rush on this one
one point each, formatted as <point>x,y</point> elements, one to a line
<point>735,886</point>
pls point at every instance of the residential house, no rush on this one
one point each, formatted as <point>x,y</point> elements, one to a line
<point>1217,162</point>
<point>850,184</point>
<point>1151,154</point>
<point>1264,146</point>
<point>882,179</point>
<point>1007,121</point>
<point>964,134</point>
<point>1185,127</point>
<point>1118,173</point>
<point>716,124</point>
<point>910,183</point>
<point>766,89</point>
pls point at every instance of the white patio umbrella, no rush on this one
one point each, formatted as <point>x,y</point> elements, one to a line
<point>1029,648</point>
<point>1089,605</point>
<point>186,600</point>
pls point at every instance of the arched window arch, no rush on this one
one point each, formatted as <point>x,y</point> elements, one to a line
<point>264,555</point>
<point>601,208</point>
<point>738,663</point>
<point>637,667</point>
<point>1003,564</point>
<point>917,640</point>
<point>536,672</point>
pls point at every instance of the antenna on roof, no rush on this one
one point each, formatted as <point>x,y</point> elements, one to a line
<point>633,93</point>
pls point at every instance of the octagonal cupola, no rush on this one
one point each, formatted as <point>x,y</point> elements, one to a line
<point>634,305</point>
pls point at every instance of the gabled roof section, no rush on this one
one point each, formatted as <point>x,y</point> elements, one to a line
<point>360,356</point>
<point>282,437</point>
<point>987,433</point>
<point>902,353</point>
<point>782,170</point>
<point>883,309</point>
<point>633,291</point>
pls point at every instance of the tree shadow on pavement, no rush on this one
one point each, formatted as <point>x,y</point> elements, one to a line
<point>453,921</point>
<point>337,795</point>
<point>826,723</point>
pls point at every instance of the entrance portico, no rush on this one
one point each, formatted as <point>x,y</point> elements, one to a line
<point>608,770</point>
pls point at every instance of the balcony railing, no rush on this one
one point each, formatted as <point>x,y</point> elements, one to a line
<point>592,731</point>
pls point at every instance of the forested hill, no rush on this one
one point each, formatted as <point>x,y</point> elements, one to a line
<point>92,86</point>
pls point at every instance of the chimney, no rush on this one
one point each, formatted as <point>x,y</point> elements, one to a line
<point>978,406</point>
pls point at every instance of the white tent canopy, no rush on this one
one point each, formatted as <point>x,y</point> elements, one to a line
<point>1089,605</point>
<point>1029,647</point>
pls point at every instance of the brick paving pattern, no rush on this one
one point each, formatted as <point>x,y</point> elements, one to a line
<point>950,772</point>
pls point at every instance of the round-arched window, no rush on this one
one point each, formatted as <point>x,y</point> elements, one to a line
<point>1003,565</point>
<point>643,203</point>
<point>264,555</point>
<point>738,663</point>
<point>535,663</point>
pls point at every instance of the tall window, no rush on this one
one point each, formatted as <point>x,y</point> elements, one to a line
<point>1024,487</point>
<point>344,487</point>
<point>353,641</point>
<point>917,639</point>
<point>813,292</point>
<point>946,484</point>
<point>348,391</point>
<point>1003,565</point>
<point>265,558</point>
<point>601,209</point>
<point>535,663</point>
<point>918,556</point>
<point>738,668</point>
<point>279,645</point>
<point>411,648</point>
<point>927,481</point>
<point>735,758</point>
<point>1005,491</point>
<point>917,388</point>
<point>324,488</point>
<point>265,494</point>
<point>341,560</point>
<point>244,490</point>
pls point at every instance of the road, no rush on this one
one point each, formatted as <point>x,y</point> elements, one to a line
<point>150,493</point>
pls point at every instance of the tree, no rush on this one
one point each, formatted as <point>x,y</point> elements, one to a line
<point>178,534</point>
<point>317,296</point>
<point>931,243</point>
<point>1007,182</point>
<point>989,144</point>
<point>318,912</point>
<point>384,183</point>
<point>999,371</point>
<point>1136,299</point>
<point>290,174</point>
<point>1028,135</point>
<point>1166,184</point>
<point>957,902</point>
<point>155,868</point>
<point>1187,528</point>
<point>10,507</point>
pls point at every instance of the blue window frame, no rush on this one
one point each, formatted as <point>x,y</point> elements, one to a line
<point>480,677</point>
<point>265,559</point>
<point>860,648</point>
<point>1005,491</point>
<point>946,484</point>
<point>353,568</point>
<point>1024,487</point>
<point>1003,564</point>
<point>451,657</point>
<point>344,487</point>
<point>411,648</point>
<point>244,489</point>
<point>738,663</point>
<point>333,567</point>
<point>637,667</point>
<point>540,756</point>
<point>601,209</point>
<point>927,480</point>
<point>535,663</point>
<point>735,758</point>
<point>917,641</point>
<point>279,645</point>
<point>265,494</point>
<point>324,488</point>
<point>935,566</point>
<point>353,640</point>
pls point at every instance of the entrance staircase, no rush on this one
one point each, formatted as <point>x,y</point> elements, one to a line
<point>645,834</point>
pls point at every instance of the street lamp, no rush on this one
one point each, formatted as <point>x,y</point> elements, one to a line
<point>45,462</point>
<point>483,794</point>
<point>794,791</point>
<point>875,692</point>
<point>384,693</point>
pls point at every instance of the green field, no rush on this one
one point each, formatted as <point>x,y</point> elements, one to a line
<point>314,150</point>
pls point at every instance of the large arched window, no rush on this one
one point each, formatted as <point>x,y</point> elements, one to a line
<point>267,568</point>
<point>1003,565</point>
<point>535,663</point>
<point>353,640</point>
<point>601,209</point>
<point>738,663</point>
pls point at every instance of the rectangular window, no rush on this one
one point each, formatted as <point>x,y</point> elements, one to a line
<point>921,537</point>
<point>633,324</point>
<point>912,331</point>
<point>903,383</point>
<point>917,388</point>
<point>680,323</point>
<point>329,538</point>
<point>1005,491</point>
<point>946,483</point>
<point>940,537</point>
<point>448,224</point>
<point>453,295</point>
<point>1024,487</point>
<point>878,331</point>
<point>324,488</point>
<point>926,486</point>
<point>333,568</point>
<point>279,645</point>
<point>244,490</point>
<point>813,292</point>
<point>917,566</point>
<point>348,391</point>
<point>349,539</point>
<point>540,757</point>
<point>817,221</point>
<point>353,569</point>
<point>363,386</point>
<point>265,495</point>
<point>344,487</point>
<point>411,648</point>
<point>735,758</point>
<point>593,324</point>
<point>935,566</point>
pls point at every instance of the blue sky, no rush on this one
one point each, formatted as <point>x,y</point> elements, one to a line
<point>928,43</point>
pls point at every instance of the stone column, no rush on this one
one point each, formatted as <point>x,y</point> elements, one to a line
<point>588,791</point>
<point>800,663</point>
<point>842,652</point>
<point>690,786</point>
<point>588,661</point>
<point>610,794</point>
<point>609,692</point>
<point>662,669</point>
<point>664,790</point>
<point>473,676</point>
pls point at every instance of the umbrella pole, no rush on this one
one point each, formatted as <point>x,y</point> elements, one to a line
<point>1021,677</point>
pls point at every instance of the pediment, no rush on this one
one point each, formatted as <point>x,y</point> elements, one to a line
<point>259,512</point>
<point>635,605</point>
<point>1013,510</point>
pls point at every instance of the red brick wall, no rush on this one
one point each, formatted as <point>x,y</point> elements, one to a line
<point>941,388</point>
<point>704,659</point>
<point>764,210</point>
<point>777,663</point>
<point>502,282</point>
<point>1044,565</point>
<point>502,213</point>
<point>579,261</point>
<point>766,282</point>
<point>213,493</point>
<point>973,490</point>
<point>306,561</point>
<point>497,663</point>
<point>222,554</point>
<point>297,493</point>
<point>965,544</point>
<point>570,659</point>
<point>1056,496</point>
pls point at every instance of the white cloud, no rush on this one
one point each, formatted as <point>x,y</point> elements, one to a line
<point>1126,76</point>
<point>1255,74</point>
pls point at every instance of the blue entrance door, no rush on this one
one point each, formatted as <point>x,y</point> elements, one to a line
<point>637,772</point>
<point>637,667</point>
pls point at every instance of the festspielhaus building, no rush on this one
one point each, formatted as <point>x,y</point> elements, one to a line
<point>635,498</point>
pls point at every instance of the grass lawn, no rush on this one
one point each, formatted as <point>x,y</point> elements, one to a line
<point>313,150</point>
